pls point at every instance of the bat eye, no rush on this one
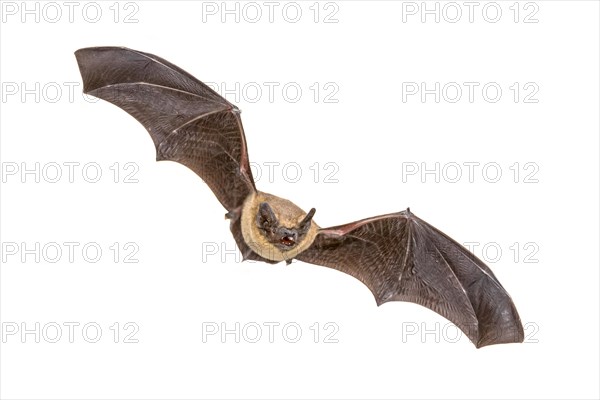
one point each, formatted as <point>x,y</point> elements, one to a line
<point>288,241</point>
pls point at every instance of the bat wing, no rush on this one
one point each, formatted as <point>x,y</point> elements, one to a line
<point>400,257</point>
<point>188,122</point>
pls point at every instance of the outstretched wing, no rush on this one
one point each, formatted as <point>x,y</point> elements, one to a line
<point>400,257</point>
<point>188,122</point>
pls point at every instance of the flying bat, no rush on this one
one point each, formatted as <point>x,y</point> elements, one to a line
<point>398,256</point>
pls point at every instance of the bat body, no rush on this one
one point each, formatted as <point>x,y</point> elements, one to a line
<point>291,239</point>
<point>398,256</point>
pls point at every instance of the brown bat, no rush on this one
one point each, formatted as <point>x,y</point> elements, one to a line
<point>398,256</point>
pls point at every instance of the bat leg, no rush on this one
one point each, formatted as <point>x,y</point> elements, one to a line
<point>246,255</point>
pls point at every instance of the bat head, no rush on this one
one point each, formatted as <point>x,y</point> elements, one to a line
<point>282,237</point>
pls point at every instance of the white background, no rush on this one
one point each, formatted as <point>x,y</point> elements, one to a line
<point>177,288</point>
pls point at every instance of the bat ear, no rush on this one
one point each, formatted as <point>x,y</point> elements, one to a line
<point>304,225</point>
<point>265,218</point>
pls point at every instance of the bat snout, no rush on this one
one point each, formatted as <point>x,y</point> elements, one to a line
<point>288,237</point>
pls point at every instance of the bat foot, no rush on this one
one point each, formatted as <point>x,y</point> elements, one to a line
<point>246,255</point>
<point>288,262</point>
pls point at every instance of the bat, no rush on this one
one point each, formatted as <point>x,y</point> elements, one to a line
<point>398,256</point>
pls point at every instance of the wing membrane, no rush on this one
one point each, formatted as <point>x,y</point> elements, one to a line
<point>188,122</point>
<point>400,257</point>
